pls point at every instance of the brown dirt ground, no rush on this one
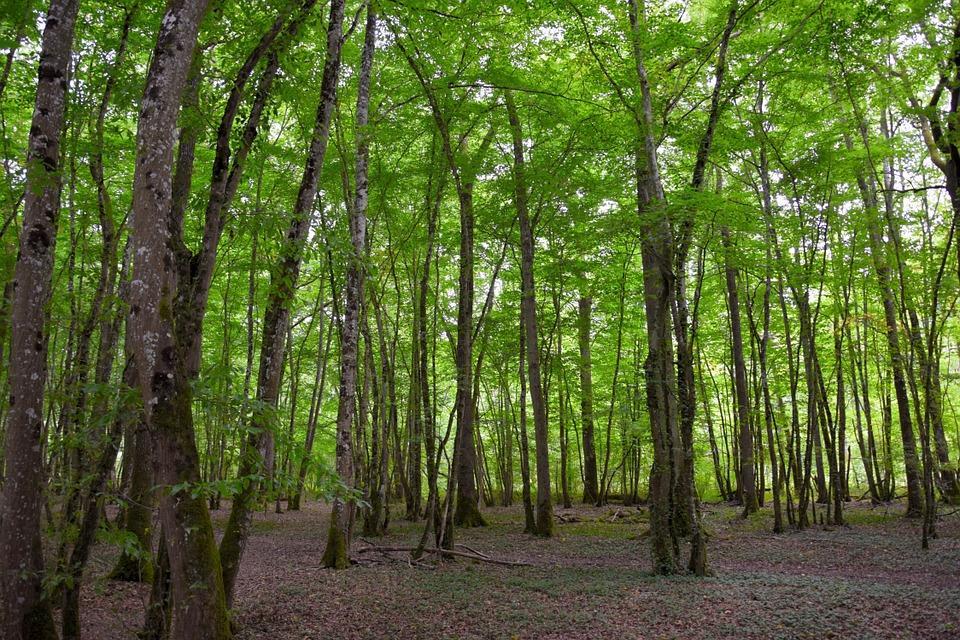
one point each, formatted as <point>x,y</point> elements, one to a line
<point>868,580</point>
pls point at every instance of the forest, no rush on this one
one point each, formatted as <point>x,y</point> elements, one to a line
<point>479,319</point>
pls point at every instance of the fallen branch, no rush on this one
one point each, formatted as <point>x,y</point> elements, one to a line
<point>472,550</point>
<point>566,519</point>
<point>420,564</point>
<point>446,552</point>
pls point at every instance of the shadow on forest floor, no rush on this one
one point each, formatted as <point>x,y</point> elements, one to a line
<point>867,580</point>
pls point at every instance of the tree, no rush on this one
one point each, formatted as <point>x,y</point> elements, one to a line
<point>657,251</point>
<point>337,551</point>
<point>259,448</point>
<point>591,492</point>
<point>160,360</point>
<point>529,312</point>
<point>26,610</point>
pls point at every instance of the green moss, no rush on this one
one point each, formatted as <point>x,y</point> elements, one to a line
<point>203,562</point>
<point>468,514</point>
<point>868,516</point>
<point>544,527</point>
<point>132,568</point>
<point>335,555</point>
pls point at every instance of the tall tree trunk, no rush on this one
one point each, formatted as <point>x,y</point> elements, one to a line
<point>74,408</point>
<point>337,550</point>
<point>768,404</point>
<point>563,399</point>
<point>606,477</point>
<point>25,612</point>
<point>199,608</point>
<point>708,418</point>
<point>529,518</point>
<point>867,453</point>
<point>529,312</point>
<point>378,515</point>
<point>258,448</point>
<point>840,427</point>
<point>423,376</point>
<point>415,427</point>
<point>591,491</point>
<point>508,424</point>
<point>685,327</point>
<point>466,512</point>
<point>657,252</point>
<point>748,485</point>
<point>881,266</point>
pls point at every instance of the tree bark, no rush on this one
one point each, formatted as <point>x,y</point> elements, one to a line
<point>316,404</point>
<point>337,551</point>
<point>657,254</point>
<point>466,512</point>
<point>25,612</point>
<point>685,327</point>
<point>563,399</point>
<point>881,266</point>
<point>199,609</point>
<point>529,311</point>
<point>423,375</point>
<point>529,517</point>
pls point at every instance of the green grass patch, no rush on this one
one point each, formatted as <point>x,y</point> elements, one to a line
<point>600,529</point>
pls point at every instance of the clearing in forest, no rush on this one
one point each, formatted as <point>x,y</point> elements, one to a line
<point>592,580</point>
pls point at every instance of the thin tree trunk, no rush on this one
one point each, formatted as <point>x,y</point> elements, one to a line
<point>881,265</point>
<point>337,550</point>
<point>544,525</point>
<point>530,522</point>
<point>767,404</point>
<point>591,491</point>
<point>563,399</point>
<point>316,404</point>
<point>423,377</point>
<point>685,327</point>
<point>605,479</point>
<point>466,512</point>
<point>748,485</point>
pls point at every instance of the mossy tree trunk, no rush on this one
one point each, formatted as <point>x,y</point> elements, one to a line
<point>199,608</point>
<point>336,554</point>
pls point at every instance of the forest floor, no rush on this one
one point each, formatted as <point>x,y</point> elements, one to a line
<point>869,579</point>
